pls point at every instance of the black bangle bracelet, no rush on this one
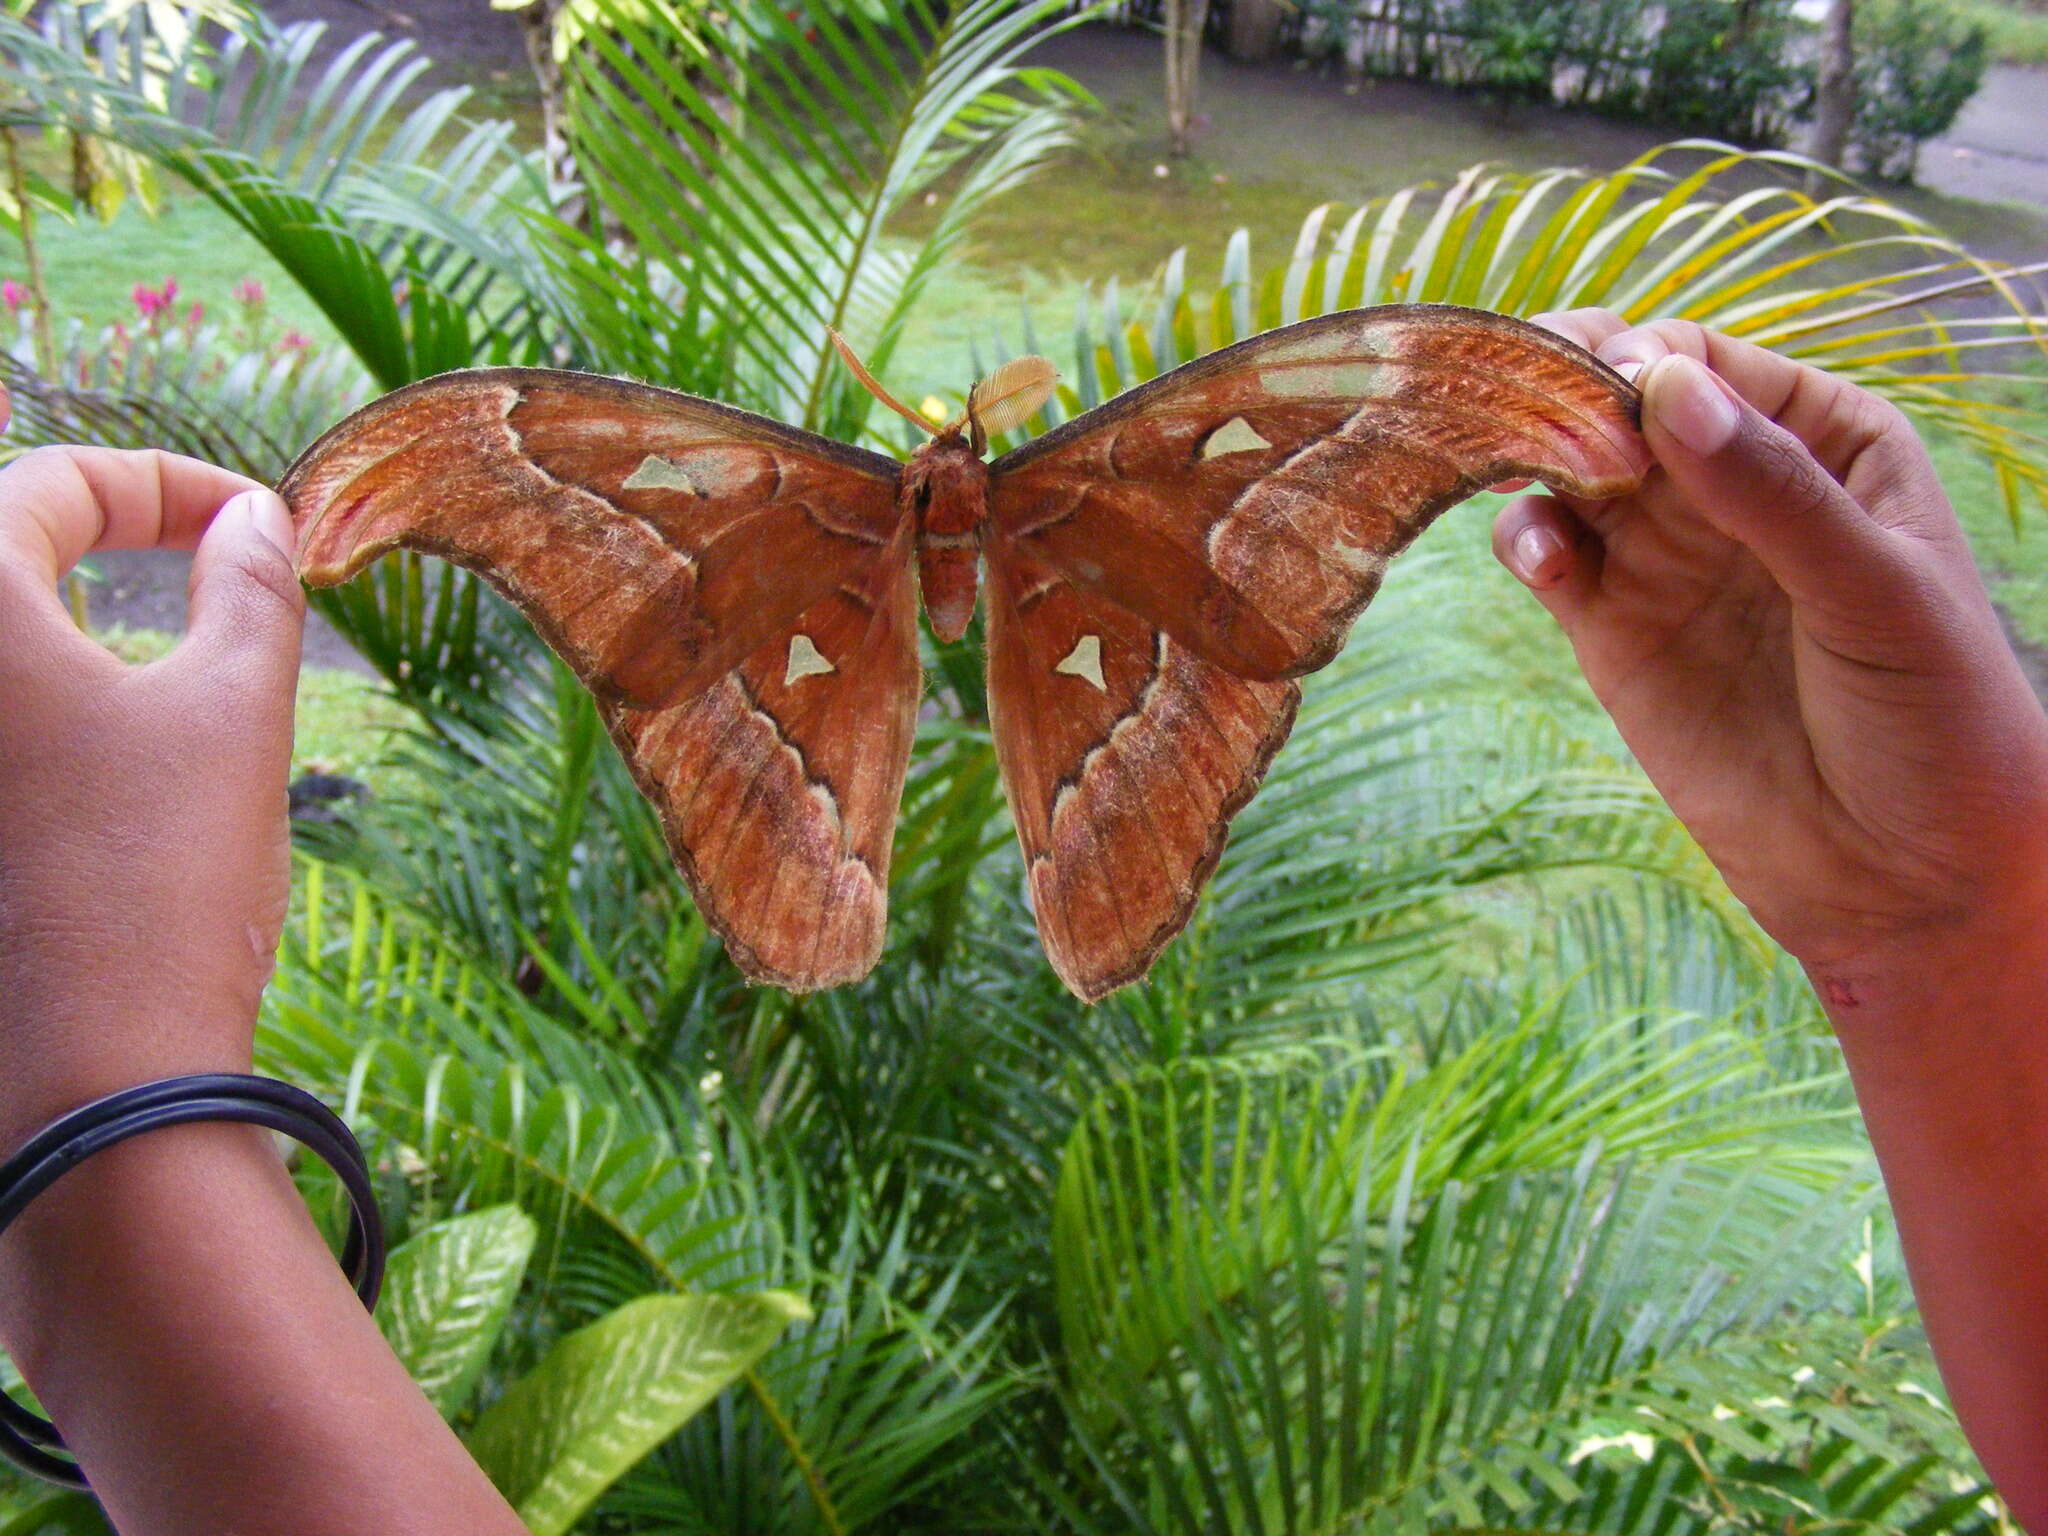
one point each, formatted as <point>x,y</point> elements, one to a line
<point>28,1441</point>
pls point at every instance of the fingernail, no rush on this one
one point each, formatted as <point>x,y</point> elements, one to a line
<point>1539,556</point>
<point>1630,371</point>
<point>267,514</point>
<point>1689,404</point>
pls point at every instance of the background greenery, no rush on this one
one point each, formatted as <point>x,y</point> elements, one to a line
<point>1471,1163</point>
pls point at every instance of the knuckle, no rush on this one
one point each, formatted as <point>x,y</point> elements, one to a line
<point>45,457</point>
<point>1878,420</point>
<point>1650,342</point>
<point>1584,326</point>
<point>267,577</point>
<point>1792,480</point>
<point>46,465</point>
<point>1686,336</point>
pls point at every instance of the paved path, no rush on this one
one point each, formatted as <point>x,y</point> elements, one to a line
<point>1998,150</point>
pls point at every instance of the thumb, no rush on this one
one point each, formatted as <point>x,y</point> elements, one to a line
<point>1761,486</point>
<point>248,611</point>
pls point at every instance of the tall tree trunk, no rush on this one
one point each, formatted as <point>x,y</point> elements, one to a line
<point>537,31</point>
<point>1254,29</point>
<point>1835,100</point>
<point>1185,20</point>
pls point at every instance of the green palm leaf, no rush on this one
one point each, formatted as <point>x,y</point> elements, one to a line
<point>1500,1348</point>
<point>447,1293</point>
<point>756,170</point>
<point>282,149</point>
<point>1847,281</point>
<point>608,1394</point>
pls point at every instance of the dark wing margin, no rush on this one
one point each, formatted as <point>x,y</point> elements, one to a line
<point>654,539</point>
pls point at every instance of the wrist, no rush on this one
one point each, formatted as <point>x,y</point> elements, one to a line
<point>33,1097</point>
<point>157,1205</point>
<point>1945,998</point>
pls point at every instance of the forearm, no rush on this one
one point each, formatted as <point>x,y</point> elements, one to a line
<point>1948,1047</point>
<point>181,1319</point>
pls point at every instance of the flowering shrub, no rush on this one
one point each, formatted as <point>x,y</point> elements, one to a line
<point>164,342</point>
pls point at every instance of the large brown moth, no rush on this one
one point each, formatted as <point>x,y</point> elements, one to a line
<point>741,596</point>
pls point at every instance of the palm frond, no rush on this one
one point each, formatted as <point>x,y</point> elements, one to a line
<point>1692,229</point>
<point>280,148</point>
<point>1370,1338</point>
<point>492,1101</point>
<point>756,169</point>
<point>191,393</point>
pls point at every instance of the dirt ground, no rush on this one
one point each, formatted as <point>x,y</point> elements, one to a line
<point>1997,154</point>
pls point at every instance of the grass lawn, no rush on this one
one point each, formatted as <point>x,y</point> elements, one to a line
<point>2017,29</point>
<point>93,268</point>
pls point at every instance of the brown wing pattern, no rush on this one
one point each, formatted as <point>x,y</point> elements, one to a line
<point>654,539</point>
<point>778,786</point>
<point>1124,756</point>
<point>1248,503</point>
<point>1160,568</point>
<point>737,594</point>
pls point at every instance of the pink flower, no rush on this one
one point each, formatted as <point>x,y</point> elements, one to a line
<point>295,341</point>
<point>152,302</point>
<point>249,291</point>
<point>13,295</point>
<point>195,314</point>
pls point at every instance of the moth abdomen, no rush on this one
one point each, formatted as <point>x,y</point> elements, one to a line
<point>945,487</point>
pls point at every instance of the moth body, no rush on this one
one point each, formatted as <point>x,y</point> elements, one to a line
<point>945,488</point>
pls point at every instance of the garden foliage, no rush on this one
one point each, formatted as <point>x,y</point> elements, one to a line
<point>1470,1163</point>
<point>1917,67</point>
<point>1735,69</point>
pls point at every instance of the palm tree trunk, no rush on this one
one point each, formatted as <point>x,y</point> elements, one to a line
<point>1835,97</point>
<point>1185,20</point>
<point>537,31</point>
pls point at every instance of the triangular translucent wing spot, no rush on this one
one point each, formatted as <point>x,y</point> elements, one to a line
<point>1235,436</point>
<point>805,660</point>
<point>1121,790</point>
<point>778,787</point>
<point>1084,661</point>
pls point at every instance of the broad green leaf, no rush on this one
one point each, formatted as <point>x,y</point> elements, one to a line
<point>63,1514</point>
<point>610,1393</point>
<point>446,1296</point>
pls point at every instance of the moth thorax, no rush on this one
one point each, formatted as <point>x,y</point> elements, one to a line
<point>945,486</point>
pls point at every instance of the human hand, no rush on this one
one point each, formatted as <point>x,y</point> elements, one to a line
<point>143,840</point>
<point>1786,625</point>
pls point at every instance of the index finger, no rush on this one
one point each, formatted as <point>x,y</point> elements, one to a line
<point>58,505</point>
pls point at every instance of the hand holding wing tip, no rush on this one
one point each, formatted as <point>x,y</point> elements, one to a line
<point>1787,625</point>
<point>166,764</point>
